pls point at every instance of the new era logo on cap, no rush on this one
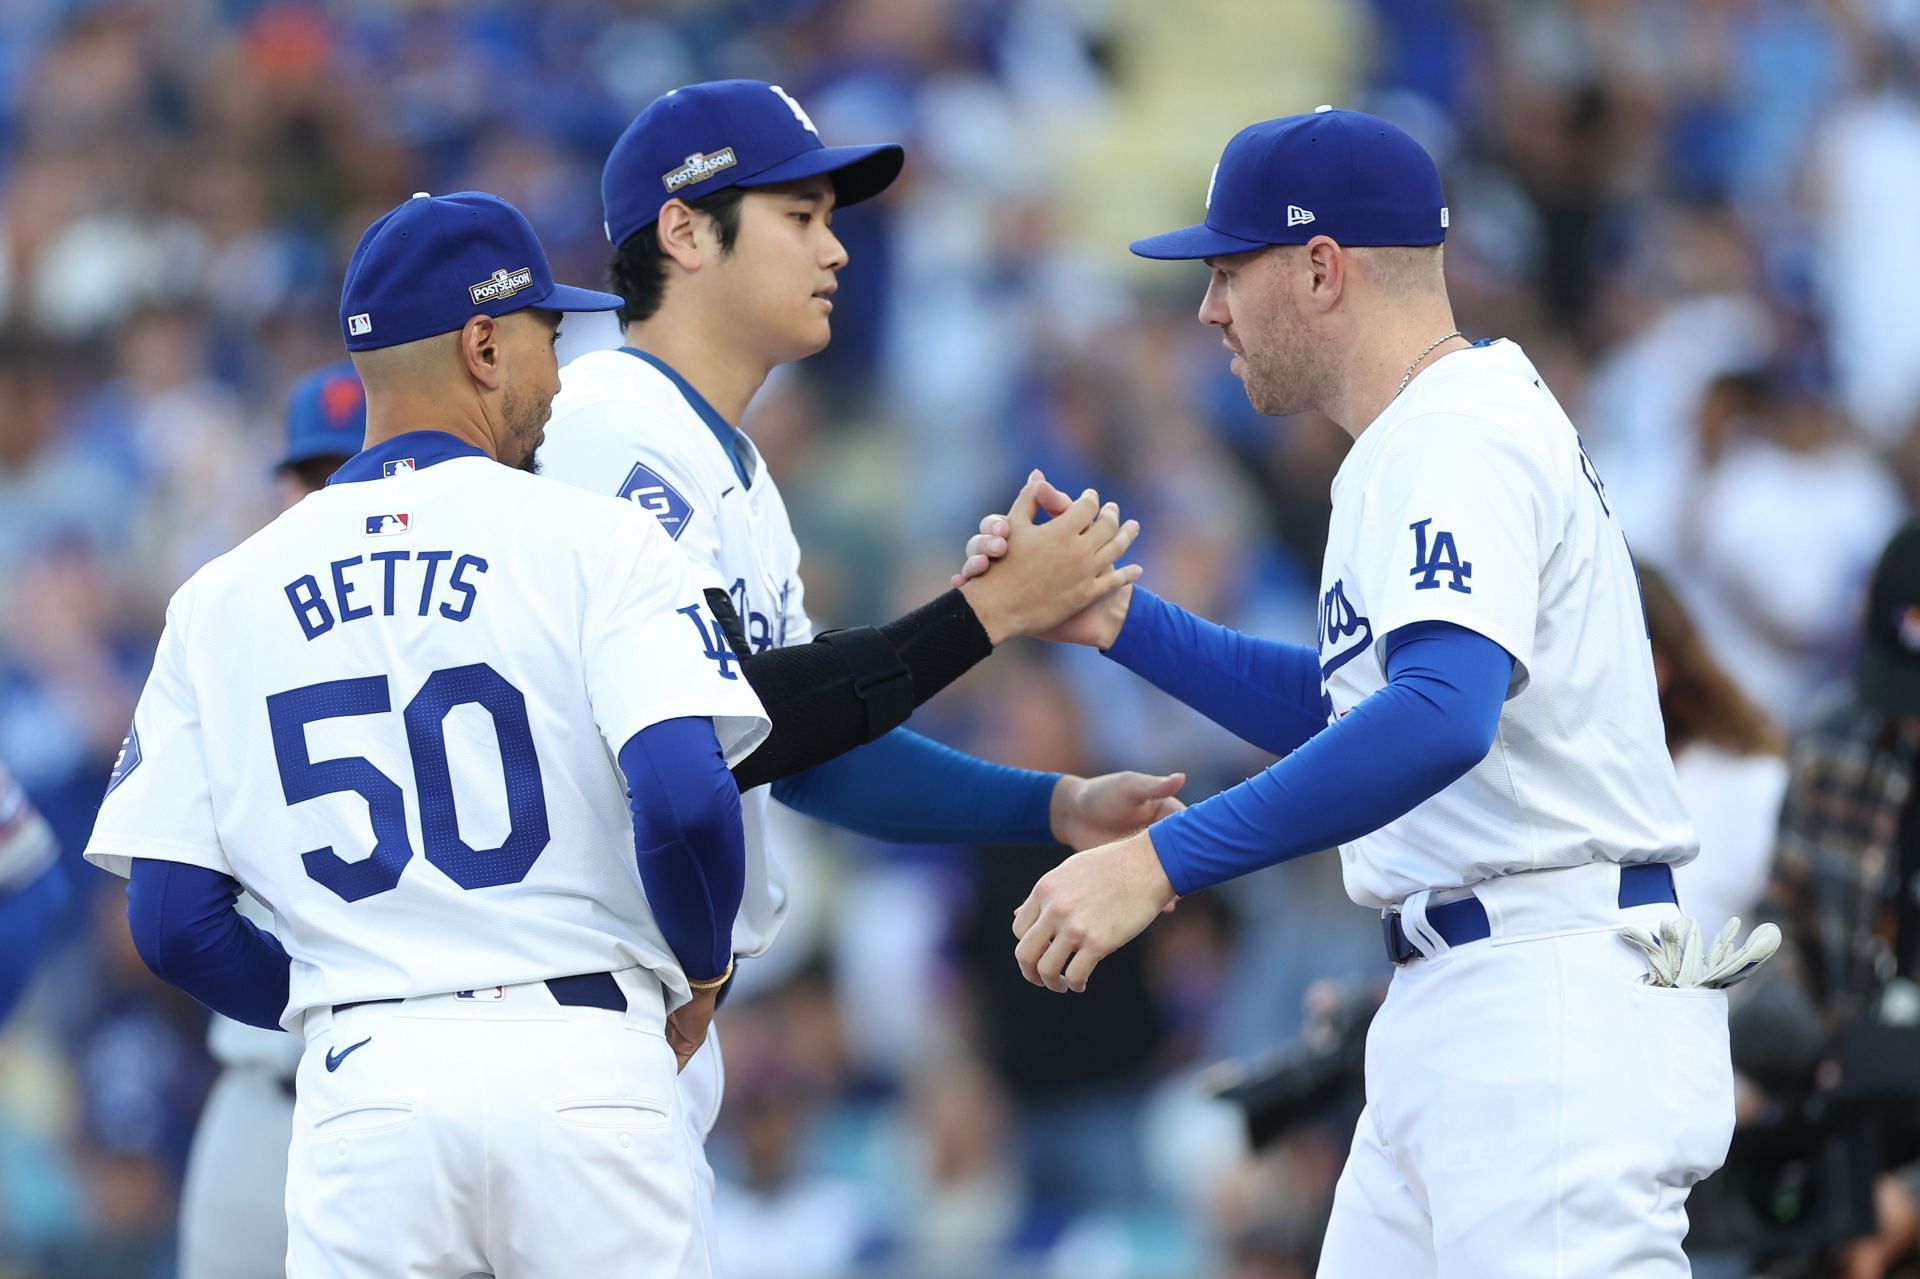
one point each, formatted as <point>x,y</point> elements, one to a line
<point>1297,216</point>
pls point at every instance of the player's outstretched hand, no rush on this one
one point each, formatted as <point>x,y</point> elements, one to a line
<point>1086,908</point>
<point>1088,811</point>
<point>1090,601</point>
<point>687,1025</point>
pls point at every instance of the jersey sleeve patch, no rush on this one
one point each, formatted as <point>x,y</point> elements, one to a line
<point>646,489</point>
<point>128,761</point>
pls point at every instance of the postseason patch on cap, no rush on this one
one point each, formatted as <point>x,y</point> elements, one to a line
<point>501,284</point>
<point>698,167</point>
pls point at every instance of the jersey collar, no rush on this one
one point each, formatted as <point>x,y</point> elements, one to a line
<point>723,430</point>
<point>419,449</point>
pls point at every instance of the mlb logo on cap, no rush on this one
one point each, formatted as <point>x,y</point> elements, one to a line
<point>726,133</point>
<point>1343,174</point>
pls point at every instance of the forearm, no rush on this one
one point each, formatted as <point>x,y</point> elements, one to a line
<point>1435,719</point>
<point>689,847</point>
<point>186,929</point>
<point>825,699</point>
<point>912,790</point>
<point>1263,691</point>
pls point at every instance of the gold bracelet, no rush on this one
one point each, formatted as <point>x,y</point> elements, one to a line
<point>716,983</point>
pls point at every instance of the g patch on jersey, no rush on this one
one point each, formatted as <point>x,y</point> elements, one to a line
<point>128,760</point>
<point>656,497</point>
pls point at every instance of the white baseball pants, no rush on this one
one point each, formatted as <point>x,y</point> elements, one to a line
<point>503,1135</point>
<point>1534,1110</point>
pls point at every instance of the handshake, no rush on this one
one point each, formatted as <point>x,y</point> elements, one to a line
<point>1056,580</point>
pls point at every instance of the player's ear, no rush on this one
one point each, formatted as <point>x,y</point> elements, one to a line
<point>480,352</point>
<point>1325,263</point>
<point>675,233</point>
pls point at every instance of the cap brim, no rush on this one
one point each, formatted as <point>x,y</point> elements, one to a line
<point>314,448</point>
<point>565,297</point>
<point>1191,243</point>
<point>858,173</point>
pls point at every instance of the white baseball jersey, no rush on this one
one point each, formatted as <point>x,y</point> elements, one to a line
<point>626,424</point>
<point>1470,500</point>
<point>392,715</point>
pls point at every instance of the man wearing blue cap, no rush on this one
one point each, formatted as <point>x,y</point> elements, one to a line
<point>719,201</point>
<point>326,420</point>
<point>1477,730</point>
<point>404,664</point>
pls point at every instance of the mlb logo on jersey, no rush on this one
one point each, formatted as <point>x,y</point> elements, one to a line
<point>488,994</point>
<point>645,489</point>
<point>387,525</point>
<point>399,466</point>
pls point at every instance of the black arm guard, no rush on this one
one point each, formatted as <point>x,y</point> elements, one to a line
<point>849,687</point>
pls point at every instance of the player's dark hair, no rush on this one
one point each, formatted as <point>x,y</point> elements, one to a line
<point>1700,701</point>
<point>638,272</point>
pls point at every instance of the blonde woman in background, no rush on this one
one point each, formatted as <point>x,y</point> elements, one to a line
<point>1730,759</point>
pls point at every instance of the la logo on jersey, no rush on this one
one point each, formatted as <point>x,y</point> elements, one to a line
<point>1344,633</point>
<point>387,525</point>
<point>1429,562</point>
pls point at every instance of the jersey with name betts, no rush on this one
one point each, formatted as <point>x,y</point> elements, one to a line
<point>1470,500</point>
<point>626,424</point>
<point>392,715</point>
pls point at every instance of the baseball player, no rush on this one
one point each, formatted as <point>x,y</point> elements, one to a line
<point>33,890</point>
<point>1477,730</point>
<point>233,1222</point>
<point>719,199</point>
<point>403,715</point>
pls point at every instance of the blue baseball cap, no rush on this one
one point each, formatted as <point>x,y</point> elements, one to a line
<point>1343,174</point>
<point>728,133</point>
<point>326,416</point>
<point>435,262</point>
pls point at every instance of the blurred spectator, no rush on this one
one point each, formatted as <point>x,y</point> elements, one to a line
<point>1729,758</point>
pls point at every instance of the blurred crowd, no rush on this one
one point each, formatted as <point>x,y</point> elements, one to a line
<point>1697,218</point>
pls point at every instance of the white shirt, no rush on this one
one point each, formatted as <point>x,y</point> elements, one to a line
<point>410,759</point>
<point>1734,801</point>
<point>624,425</point>
<point>1469,500</point>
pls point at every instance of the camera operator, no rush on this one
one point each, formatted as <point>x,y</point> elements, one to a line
<point>1846,891</point>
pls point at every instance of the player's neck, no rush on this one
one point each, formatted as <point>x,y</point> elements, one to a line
<point>389,415</point>
<point>725,375</point>
<point>1376,372</point>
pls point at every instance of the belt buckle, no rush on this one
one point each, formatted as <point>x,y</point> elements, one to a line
<point>1399,950</point>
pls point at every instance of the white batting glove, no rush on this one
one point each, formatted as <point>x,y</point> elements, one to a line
<point>1678,958</point>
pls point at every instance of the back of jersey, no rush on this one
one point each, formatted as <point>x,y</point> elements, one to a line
<point>393,713</point>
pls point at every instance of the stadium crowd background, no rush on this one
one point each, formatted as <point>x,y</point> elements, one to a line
<point>1698,218</point>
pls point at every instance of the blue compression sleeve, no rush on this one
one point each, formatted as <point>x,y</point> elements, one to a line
<point>913,790</point>
<point>687,839</point>
<point>1435,719</point>
<point>1263,691</point>
<point>26,920</point>
<point>187,930</point>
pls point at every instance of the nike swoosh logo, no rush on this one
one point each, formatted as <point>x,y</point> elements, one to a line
<point>335,1058</point>
<point>728,489</point>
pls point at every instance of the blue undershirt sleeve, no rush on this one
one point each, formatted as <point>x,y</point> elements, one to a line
<point>186,929</point>
<point>911,789</point>
<point>687,839</point>
<point>1436,718</point>
<point>27,916</point>
<point>1263,691</point>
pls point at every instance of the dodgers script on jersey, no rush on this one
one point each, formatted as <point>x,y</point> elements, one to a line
<point>623,424</point>
<point>392,715</point>
<point>1470,500</point>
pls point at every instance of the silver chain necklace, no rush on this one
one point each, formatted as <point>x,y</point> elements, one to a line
<point>1408,377</point>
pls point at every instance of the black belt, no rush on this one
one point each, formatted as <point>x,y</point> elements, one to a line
<point>590,990</point>
<point>1464,921</point>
